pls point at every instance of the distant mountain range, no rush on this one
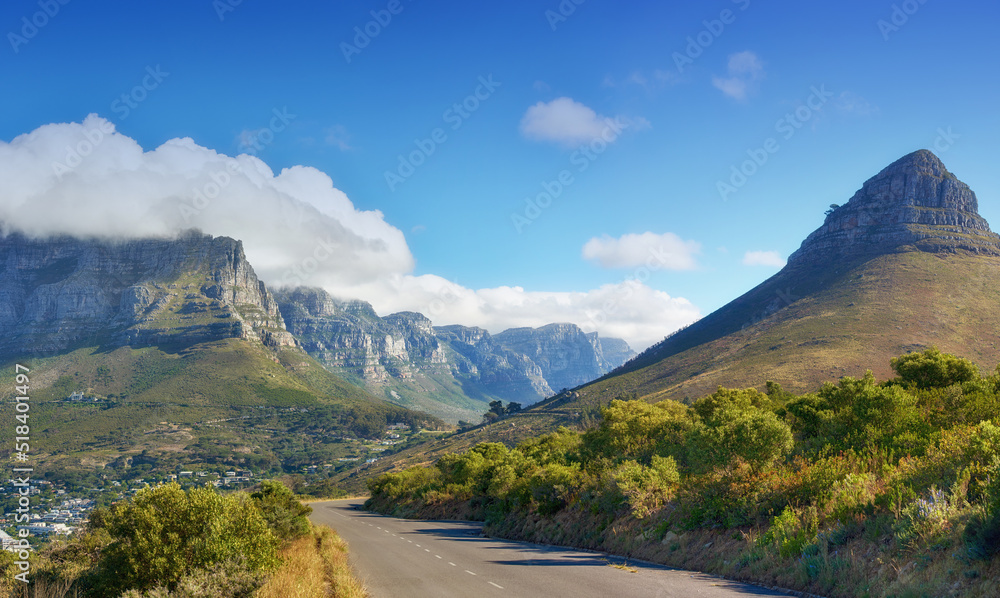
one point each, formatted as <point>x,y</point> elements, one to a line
<point>450,371</point>
<point>63,294</point>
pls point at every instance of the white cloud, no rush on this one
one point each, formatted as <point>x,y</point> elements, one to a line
<point>763,258</point>
<point>568,122</point>
<point>745,71</point>
<point>86,179</point>
<point>650,249</point>
<point>296,228</point>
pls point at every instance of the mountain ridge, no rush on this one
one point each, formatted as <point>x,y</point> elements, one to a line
<point>452,371</point>
<point>914,204</point>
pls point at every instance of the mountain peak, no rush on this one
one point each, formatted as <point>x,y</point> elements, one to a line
<point>919,162</point>
<point>914,203</point>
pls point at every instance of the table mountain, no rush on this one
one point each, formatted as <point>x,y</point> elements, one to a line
<point>58,294</point>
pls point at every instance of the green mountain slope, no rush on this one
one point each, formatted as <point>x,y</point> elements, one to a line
<point>171,352</point>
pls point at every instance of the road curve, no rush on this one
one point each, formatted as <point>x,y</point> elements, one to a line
<point>414,559</point>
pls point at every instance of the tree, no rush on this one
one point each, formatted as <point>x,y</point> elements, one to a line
<point>933,369</point>
<point>513,408</point>
<point>164,533</point>
<point>737,423</point>
<point>286,515</point>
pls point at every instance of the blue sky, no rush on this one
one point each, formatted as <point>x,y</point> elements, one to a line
<point>923,78</point>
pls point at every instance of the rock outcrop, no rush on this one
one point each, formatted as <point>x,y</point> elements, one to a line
<point>350,338</point>
<point>914,202</point>
<point>499,371</point>
<point>56,294</point>
<point>566,354</point>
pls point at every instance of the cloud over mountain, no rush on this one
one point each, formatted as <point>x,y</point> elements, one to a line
<point>88,180</point>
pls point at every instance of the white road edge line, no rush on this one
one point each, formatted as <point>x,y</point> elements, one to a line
<point>495,585</point>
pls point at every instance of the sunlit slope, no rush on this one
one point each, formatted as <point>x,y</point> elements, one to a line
<point>846,320</point>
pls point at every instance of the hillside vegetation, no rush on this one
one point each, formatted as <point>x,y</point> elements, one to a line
<point>171,543</point>
<point>860,488</point>
<point>813,323</point>
<point>228,403</point>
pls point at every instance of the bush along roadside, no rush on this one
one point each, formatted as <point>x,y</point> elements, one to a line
<point>862,488</point>
<point>170,543</point>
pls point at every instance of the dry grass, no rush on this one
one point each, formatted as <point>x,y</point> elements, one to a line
<point>314,566</point>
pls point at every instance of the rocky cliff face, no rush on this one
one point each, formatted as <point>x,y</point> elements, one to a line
<point>567,356</point>
<point>502,372</point>
<point>56,294</point>
<point>348,337</point>
<point>914,202</point>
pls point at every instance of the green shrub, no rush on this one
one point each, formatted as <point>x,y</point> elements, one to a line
<point>790,533</point>
<point>165,533</point>
<point>933,369</point>
<point>228,579</point>
<point>646,489</point>
<point>738,429</point>
<point>923,520</point>
<point>982,533</point>
<point>287,517</point>
<point>637,430</point>
<point>553,486</point>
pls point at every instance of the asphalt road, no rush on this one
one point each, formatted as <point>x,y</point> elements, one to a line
<point>413,559</point>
